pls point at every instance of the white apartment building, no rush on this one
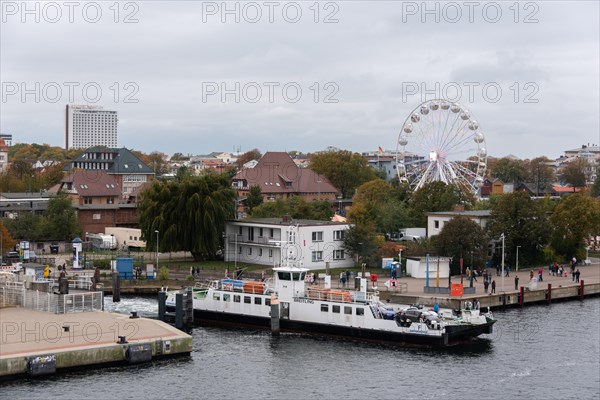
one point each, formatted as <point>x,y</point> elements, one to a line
<point>260,240</point>
<point>437,220</point>
<point>88,126</point>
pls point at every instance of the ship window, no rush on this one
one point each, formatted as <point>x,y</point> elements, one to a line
<point>257,300</point>
<point>324,307</point>
<point>360,311</point>
<point>226,297</point>
<point>348,310</point>
<point>267,302</point>
<point>247,299</point>
<point>296,276</point>
<point>216,296</point>
<point>236,298</point>
<point>284,276</point>
<point>335,309</point>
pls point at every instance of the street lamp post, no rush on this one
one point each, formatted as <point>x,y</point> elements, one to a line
<point>156,231</point>
<point>400,259</point>
<point>517,266</point>
<point>502,270</point>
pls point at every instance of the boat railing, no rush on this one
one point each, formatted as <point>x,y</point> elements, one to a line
<point>203,285</point>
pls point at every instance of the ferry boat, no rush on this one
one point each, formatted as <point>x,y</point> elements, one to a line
<point>293,305</point>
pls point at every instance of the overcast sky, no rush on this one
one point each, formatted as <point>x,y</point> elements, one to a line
<point>361,67</point>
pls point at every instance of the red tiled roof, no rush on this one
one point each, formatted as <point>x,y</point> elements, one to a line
<point>276,170</point>
<point>565,189</point>
<point>92,183</point>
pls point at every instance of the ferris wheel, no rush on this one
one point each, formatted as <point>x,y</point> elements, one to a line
<point>441,141</point>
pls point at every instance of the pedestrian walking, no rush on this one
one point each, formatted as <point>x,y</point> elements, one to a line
<point>343,279</point>
<point>531,275</point>
<point>507,271</point>
<point>516,282</point>
<point>486,284</point>
<point>540,277</point>
<point>494,286</point>
<point>577,276</point>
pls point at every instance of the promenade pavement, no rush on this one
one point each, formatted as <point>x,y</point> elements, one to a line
<point>589,274</point>
<point>414,286</point>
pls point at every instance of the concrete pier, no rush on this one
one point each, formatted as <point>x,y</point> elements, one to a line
<point>36,342</point>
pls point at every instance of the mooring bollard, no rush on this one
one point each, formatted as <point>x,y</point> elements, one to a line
<point>116,287</point>
<point>162,305</point>
<point>522,295</point>
<point>179,310</point>
<point>274,316</point>
<point>581,290</point>
<point>549,294</point>
<point>189,306</point>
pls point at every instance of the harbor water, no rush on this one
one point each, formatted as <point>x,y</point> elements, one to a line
<point>539,352</point>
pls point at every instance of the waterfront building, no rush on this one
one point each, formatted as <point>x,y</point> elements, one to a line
<point>258,241</point>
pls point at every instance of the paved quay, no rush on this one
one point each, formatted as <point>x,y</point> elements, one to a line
<point>562,288</point>
<point>82,339</point>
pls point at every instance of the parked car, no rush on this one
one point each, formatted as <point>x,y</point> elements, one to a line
<point>12,254</point>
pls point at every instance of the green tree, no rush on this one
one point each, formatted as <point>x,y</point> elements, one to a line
<point>595,189</point>
<point>574,220</point>
<point>51,175</point>
<point>462,238</point>
<point>362,239</point>
<point>189,213</point>
<point>575,172</point>
<point>158,162</point>
<point>523,222</point>
<point>539,173</point>
<point>60,219</point>
<point>344,169</point>
<point>383,205</point>
<point>254,198</point>
<point>507,169</point>
<point>296,207</point>
<point>438,196</point>
<point>178,157</point>
<point>26,226</point>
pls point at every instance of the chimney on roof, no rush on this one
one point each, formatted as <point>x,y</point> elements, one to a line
<point>459,208</point>
<point>286,218</point>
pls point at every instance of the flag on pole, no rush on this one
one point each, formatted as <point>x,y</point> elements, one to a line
<point>380,149</point>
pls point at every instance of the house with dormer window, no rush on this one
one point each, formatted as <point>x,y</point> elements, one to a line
<point>127,169</point>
